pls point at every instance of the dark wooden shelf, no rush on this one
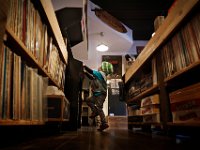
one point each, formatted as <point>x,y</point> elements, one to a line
<point>10,39</point>
<point>173,23</point>
<point>20,122</point>
<point>151,90</point>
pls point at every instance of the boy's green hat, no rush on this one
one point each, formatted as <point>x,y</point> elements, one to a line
<point>107,67</point>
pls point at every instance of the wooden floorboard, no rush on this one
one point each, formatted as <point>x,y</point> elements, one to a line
<point>88,138</point>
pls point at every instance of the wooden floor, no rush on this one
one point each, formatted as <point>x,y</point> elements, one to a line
<point>88,138</point>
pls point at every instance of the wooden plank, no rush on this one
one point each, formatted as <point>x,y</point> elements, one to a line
<point>20,122</point>
<point>181,9</point>
<point>50,13</point>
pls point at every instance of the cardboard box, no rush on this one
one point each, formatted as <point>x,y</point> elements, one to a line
<point>119,122</point>
<point>153,99</point>
<point>186,116</point>
<point>185,105</point>
<point>150,109</point>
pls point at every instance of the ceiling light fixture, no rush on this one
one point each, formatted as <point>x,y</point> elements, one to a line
<point>102,47</point>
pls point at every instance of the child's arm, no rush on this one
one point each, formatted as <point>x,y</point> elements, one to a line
<point>88,72</point>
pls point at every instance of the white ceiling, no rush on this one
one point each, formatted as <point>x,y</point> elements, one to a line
<point>119,43</point>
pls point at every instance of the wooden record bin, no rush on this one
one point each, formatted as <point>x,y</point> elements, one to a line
<point>58,108</point>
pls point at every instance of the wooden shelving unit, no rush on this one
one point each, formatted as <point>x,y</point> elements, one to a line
<point>177,19</point>
<point>9,38</point>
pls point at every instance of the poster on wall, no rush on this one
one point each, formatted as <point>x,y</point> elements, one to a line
<point>116,61</point>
